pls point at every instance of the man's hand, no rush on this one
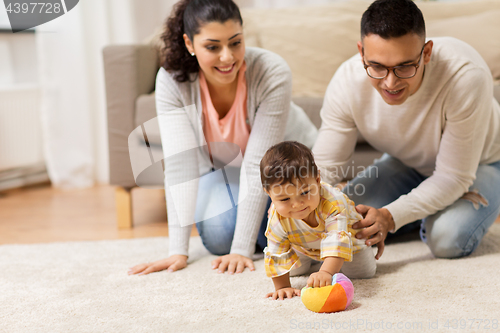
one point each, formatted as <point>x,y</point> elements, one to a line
<point>232,263</point>
<point>283,293</point>
<point>319,279</point>
<point>171,264</point>
<point>376,223</point>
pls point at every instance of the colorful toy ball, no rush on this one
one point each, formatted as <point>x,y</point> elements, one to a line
<point>336,297</point>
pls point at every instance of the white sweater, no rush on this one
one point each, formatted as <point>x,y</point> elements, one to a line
<point>444,130</point>
<point>270,114</point>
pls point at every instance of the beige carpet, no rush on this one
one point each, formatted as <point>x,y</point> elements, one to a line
<point>83,287</point>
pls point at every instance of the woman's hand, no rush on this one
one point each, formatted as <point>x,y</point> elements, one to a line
<point>376,223</point>
<point>283,293</point>
<point>233,263</point>
<point>171,264</point>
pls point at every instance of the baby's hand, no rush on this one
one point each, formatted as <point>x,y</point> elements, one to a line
<point>283,293</point>
<point>319,279</point>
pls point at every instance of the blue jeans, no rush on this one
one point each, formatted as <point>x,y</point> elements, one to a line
<point>454,232</point>
<point>216,190</point>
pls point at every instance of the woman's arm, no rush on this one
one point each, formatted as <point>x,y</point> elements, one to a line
<point>179,144</point>
<point>269,88</point>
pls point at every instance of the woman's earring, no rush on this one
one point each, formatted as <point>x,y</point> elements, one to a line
<point>192,54</point>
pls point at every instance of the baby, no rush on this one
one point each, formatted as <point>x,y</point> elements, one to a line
<point>309,222</point>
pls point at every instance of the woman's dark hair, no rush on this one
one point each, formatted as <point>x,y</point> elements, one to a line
<point>392,19</point>
<point>187,18</point>
<point>286,162</point>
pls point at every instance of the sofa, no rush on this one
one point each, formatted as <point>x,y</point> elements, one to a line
<point>313,40</point>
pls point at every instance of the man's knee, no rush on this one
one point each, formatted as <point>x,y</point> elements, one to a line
<point>446,244</point>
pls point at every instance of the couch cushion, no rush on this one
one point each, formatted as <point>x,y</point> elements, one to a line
<point>481,31</point>
<point>315,40</point>
<point>438,10</point>
<point>311,106</point>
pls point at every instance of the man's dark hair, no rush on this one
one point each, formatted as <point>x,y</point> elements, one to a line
<point>392,19</point>
<point>287,162</point>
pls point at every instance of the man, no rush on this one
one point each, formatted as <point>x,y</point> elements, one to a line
<point>429,106</point>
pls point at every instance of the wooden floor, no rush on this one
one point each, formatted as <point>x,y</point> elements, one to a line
<point>44,214</point>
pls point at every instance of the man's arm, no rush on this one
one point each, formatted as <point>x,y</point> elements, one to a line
<point>337,136</point>
<point>468,108</point>
<point>467,111</point>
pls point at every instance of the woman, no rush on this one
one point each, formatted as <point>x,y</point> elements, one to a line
<point>220,107</point>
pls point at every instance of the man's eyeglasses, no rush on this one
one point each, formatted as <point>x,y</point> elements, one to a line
<point>403,71</point>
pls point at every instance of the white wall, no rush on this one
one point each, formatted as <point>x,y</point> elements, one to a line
<point>23,57</point>
<point>21,51</point>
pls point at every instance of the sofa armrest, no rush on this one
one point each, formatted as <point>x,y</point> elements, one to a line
<point>129,71</point>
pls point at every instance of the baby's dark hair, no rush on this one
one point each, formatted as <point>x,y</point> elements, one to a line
<point>392,19</point>
<point>287,162</point>
<point>188,16</point>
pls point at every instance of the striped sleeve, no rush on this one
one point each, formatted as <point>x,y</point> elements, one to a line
<point>336,240</point>
<point>279,258</point>
<point>340,213</point>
